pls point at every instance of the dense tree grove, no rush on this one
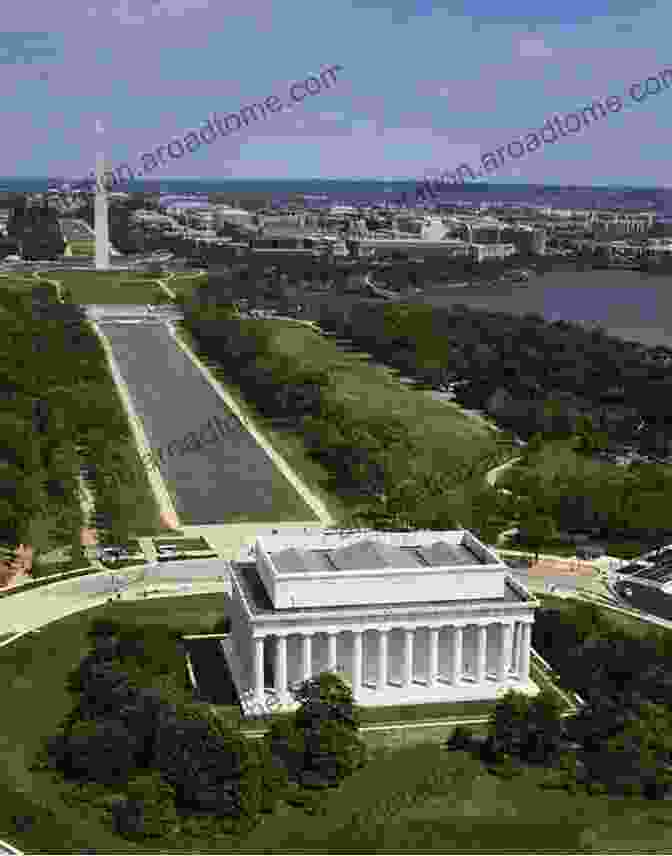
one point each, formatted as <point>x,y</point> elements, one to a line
<point>624,729</point>
<point>168,758</point>
<point>531,375</point>
<point>36,230</point>
<point>620,739</point>
<point>543,382</point>
<point>59,406</point>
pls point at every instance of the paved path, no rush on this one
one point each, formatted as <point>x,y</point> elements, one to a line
<point>492,475</point>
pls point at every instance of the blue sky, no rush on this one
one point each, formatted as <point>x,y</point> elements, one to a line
<point>425,86</point>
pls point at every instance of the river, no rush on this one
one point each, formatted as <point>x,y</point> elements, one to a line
<point>628,304</point>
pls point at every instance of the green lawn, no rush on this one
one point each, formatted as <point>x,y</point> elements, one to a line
<point>443,432</point>
<point>629,623</point>
<point>558,458</point>
<point>185,285</point>
<point>83,248</point>
<point>462,807</point>
<point>106,287</point>
<point>469,810</point>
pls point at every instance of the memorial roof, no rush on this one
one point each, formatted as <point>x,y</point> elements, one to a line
<point>371,554</point>
<point>254,591</point>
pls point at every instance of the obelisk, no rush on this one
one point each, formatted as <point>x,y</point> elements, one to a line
<point>100,210</point>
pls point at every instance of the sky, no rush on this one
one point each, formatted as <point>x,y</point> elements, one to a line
<point>423,87</point>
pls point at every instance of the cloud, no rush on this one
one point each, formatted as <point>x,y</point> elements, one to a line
<point>144,10</point>
<point>533,48</point>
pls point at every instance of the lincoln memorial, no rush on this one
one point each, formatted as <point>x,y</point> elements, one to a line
<point>407,617</point>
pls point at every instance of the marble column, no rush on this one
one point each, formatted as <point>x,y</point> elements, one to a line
<point>515,648</point>
<point>481,652</point>
<point>356,661</point>
<point>526,639</point>
<point>504,663</point>
<point>382,659</point>
<point>307,656</point>
<point>433,670</point>
<point>332,662</point>
<point>281,666</point>
<point>456,674</point>
<point>259,668</point>
<point>407,678</point>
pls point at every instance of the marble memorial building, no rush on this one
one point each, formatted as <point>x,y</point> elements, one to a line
<point>408,617</point>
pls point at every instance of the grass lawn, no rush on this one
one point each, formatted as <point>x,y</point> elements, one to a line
<point>443,432</point>
<point>106,287</point>
<point>185,285</point>
<point>558,458</point>
<point>468,811</point>
<point>82,248</point>
<point>463,808</point>
<point>635,626</point>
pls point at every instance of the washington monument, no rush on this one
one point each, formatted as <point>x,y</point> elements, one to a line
<point>101,214</point>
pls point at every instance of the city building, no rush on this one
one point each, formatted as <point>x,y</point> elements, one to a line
<point>407,617</point>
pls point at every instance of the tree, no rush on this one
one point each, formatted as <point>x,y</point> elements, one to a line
<point>508,724</point>
<point>545,730</point>
<point>149,809</point>
<point>640,753</point>
<point>491,513</point>
<point>535,529</point>
<point>100,750</point>
<point>321,743</point>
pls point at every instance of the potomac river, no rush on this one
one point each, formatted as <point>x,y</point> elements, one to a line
<point>628,304</point>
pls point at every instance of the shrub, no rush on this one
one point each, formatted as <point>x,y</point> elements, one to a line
<point>555,780</point>
<point>156,799</point>
<point>128,818</point>
<point>222,625</point>
<point>461,738</point>
<point>99,750</point>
